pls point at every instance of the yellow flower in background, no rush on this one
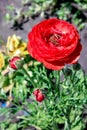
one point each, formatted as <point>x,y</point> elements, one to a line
<point>16,47</point>
<point>2,62</point>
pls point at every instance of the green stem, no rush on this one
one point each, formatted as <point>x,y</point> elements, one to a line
<point>72,79</point>
<point>84,77</point>
<point>29,113</point>
<point>30,79</point>
<point>36,107</point>
<point>55,126</point>
<point>58,82</point>
<point>67,121</point>
<point>65,77</point>
<point>67,126</point>
<point>45,105</point>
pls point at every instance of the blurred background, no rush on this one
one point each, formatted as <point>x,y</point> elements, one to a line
<point>19,16</point>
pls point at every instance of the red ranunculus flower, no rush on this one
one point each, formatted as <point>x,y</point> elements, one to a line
<point>13,62</point>
<point>55,43</point>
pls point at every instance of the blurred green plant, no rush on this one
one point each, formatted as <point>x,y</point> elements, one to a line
<point>28,10</point>
<point>63,12</point>
<point>75,11</point>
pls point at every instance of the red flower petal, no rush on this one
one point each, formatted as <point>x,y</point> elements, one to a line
<point>54,65</point>
<point>73,58</point>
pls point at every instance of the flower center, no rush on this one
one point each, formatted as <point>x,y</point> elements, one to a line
<point>54,39</point>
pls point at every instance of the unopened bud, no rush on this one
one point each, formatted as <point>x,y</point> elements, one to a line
<point>77,66</point>
<point>68,72</point>
<point>15,62</point>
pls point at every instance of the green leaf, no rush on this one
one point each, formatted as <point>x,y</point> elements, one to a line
<point>79,126</point>
<point>4,81</point>
<point>60,120</point>
<point>12,127</point>
<point>10,7</point>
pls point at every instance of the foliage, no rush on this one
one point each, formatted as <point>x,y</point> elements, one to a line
<point>74,11</point>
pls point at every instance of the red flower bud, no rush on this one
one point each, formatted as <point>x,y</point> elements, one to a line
<point>36,92</point>
<point>13,62</point>
<point>40,97</point>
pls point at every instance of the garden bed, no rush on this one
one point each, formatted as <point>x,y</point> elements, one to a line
<point>18,106</point>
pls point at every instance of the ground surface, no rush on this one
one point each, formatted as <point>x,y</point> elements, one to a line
<point>5,29</point>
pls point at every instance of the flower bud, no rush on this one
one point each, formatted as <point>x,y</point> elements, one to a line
<point>14,62</point>
<point>68,72</point>
<point>76,66</point>
<point>36,92</point>
<point>40,97</point>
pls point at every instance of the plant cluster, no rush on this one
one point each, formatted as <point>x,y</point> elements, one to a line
<point>74,11</point>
